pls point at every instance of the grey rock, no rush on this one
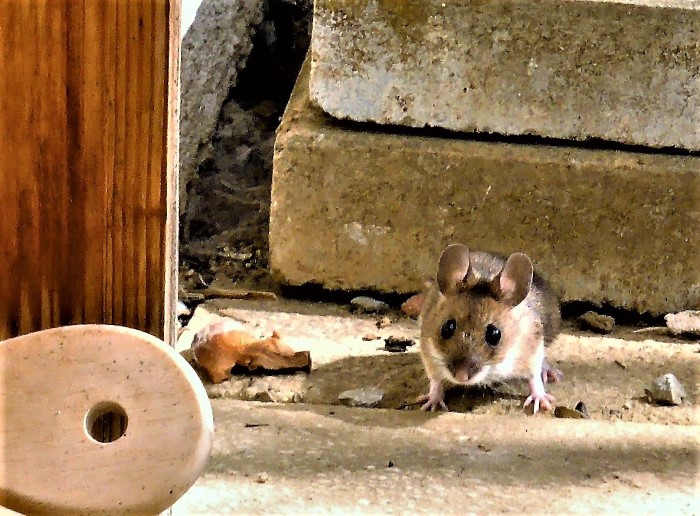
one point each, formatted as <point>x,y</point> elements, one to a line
<point>364,397</point>
<point>667,390</point>
<point>686,322</point>
<point>215,47</point>
<point>597,322</point>
<point>369,304</point>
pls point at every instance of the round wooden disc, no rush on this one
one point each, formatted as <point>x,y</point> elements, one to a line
<point>98,419</point>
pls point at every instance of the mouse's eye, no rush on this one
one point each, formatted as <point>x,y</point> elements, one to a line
<point>493,335</point>
<point>448,329</point>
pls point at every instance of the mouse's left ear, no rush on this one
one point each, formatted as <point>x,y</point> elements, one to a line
<point>515,280</point>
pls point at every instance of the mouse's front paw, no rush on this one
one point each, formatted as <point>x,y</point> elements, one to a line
<point>538,396</point>
<point>435,399</point>
<point>433,404</point>
<point>540,401</point>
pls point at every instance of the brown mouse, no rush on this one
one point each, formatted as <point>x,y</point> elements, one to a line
<point>487,319</point>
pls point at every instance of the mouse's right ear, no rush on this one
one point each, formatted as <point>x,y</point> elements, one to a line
<point>453,268</point>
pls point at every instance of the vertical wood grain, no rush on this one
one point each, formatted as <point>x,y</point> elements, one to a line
<point>88,149</point>
<point>171,152</point>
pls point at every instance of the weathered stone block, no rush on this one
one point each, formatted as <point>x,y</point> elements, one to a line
<point>625,71</point>
<point>367,210</point>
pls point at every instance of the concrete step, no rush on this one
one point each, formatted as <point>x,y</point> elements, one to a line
<point>357,209</point>
<point>306,459</point>
<point>484,457</point>
<point>625,71</point>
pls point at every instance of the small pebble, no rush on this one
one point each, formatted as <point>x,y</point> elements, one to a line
<point>262,478</point>
<point>411,307</point>
<point>383,322</point>
<point>370,336</point>
<point>397,345</point>
<point>596,322</point>
<point>687,322</point>
<point>666,390</point>
<point>369,304</point>
<point>365,397</point>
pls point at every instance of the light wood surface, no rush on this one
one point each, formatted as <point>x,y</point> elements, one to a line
<point>52,460</point>
<point>172,172</point>
<point>88,153</point>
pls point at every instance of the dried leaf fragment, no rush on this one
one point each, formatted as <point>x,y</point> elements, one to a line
<point>221,346</point>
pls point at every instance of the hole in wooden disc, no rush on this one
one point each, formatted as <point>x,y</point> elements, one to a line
<point>106,422</point>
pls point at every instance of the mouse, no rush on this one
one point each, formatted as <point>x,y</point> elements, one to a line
<point>487,318</point>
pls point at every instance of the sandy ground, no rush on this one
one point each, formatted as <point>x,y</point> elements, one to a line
<point>486,455</point>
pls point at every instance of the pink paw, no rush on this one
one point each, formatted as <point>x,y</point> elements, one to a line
<point>435,399</point>
<point>538,396</point>
<point>542,399</point>
<point>433,404</point>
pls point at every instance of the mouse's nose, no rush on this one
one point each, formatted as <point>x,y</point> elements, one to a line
<point>465,368</point>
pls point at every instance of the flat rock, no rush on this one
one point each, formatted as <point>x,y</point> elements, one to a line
<point>276,389</point>
<point>687,322</point>
<point>369,304</point>
<point>364,397</point>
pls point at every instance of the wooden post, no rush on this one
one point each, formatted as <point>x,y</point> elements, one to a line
<point>88,163</point>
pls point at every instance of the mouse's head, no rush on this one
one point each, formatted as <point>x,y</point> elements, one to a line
<point>481,329</point>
